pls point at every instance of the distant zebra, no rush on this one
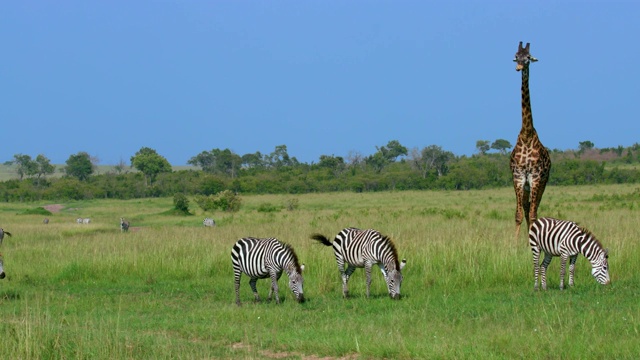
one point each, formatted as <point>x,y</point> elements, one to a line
<point>365,248</point>
<point>567,240</point>
<point>2,233</point>
<point>124,225</point>
<point>208,222</point>
<point>263,258</point>
<point>2,274</point>
<point>83,220</point>
<point>45,221</point>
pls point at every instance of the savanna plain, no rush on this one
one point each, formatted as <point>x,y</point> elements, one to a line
<point>165,289</point>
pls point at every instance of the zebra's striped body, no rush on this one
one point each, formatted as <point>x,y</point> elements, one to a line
<point>263,258</point>
<point>567,240</point>
<point>208,222</point>
<point>83,220</point>
<point>2,233</point>
<point>365,248</point>
<point>124,225</point>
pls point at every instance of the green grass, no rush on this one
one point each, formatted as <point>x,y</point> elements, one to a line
<point>165,289</point>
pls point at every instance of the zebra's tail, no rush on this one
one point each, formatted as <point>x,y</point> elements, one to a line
<point>323,239</point>
<point>7,233</point>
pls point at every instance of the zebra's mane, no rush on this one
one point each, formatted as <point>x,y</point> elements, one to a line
<point>394,251</point>
<point>293,255</point>
<point>589,234</point>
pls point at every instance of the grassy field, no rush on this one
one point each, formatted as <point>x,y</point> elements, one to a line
<point>165,289</point>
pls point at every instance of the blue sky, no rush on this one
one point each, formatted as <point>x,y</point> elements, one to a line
<point>321,77</point>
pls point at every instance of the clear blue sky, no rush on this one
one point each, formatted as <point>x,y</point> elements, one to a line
<point>321,77</point>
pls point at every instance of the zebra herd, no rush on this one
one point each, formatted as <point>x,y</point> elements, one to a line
<point>354,248</point>
<point>269,258</point>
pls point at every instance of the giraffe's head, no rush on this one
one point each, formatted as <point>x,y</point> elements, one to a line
<point>523,57</point>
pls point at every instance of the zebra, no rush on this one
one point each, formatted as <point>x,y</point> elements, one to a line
<point>45,221</point>
<point>2,233</point>
<point>567,240</point>
<point>124,225</point>
<point>263,258</point>
<point>364,248</point>
<point>2,274</point>
<point>83,220</point>
<point>208,222</point>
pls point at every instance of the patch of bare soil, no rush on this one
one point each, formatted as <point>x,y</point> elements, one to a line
<point>54,208</point>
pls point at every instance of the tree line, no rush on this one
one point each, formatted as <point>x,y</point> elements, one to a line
<point>391,167</point>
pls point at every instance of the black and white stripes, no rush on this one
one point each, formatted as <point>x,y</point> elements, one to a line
<point>124,225</point>
<point>567,240</point>
<point>365,248</point>
<point>263,258</point>
<point>2,234</point>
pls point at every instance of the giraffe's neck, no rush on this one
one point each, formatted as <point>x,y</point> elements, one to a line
<point>527,119</point>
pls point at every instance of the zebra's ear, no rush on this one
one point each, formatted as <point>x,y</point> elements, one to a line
<point>301,267</point>
<point>606,253</point>
<point>403,263</point>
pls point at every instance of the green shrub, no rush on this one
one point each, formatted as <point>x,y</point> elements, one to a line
<point>181,203</point>
<point>228,201</point>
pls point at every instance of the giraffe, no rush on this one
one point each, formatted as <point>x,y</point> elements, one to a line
<point>530,162</point>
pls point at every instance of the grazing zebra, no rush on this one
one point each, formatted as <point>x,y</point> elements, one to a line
<point>364,248</point>
<point>2,233</point>
<point>124,225</point>
<point>263,258</point>
<point>208,222</point>
<point>567,240</point>
<point>45,221</point>
<point>83,220</point>
<point>2,274</point>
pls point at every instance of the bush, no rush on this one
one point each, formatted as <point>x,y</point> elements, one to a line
<point>228,201</point>
<point>181,203</point>
<point>206,203</point>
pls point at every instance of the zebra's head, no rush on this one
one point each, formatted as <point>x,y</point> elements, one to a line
<point>295,283</point>
<point>600,267</point>
<point>394,280</point>
<point>2,274</point>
